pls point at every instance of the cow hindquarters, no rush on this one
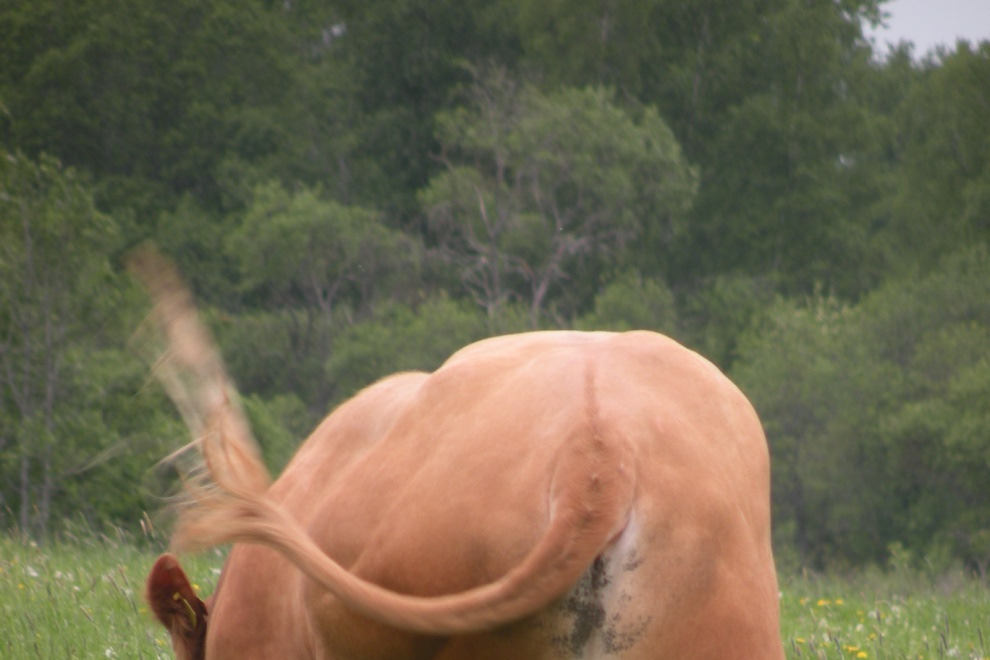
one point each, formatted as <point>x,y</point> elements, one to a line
<point>653,594</point>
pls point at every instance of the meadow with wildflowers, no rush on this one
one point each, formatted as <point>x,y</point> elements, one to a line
<point>885,616</point>
<point>82,598</point>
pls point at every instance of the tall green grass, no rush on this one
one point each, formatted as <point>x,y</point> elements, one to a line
<point>885,616</point>
<point>82,598</point>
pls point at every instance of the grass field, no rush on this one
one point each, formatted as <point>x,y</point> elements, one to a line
<point>82,599</point>
<point>886,616</point>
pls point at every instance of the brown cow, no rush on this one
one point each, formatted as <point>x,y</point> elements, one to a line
<point>544,495</point>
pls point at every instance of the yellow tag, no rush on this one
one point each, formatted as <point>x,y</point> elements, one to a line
<point>189,609</point>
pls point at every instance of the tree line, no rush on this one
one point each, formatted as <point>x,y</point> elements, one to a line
<point>353,188</point>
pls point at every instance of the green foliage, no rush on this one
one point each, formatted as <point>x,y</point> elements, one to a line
<point>196,238</point>
<point>180,97</point>
<point>280,425</point>
<point>788,367</point>
<point>110,423</point>
<point>943,196</point>
<point>934,431</point>
<point>631,302</point>
<point>767,100</point>
<point>717,313</point>
<point>874,418</point>
<point>270,353</point>
<point>300,250</point>
<point>536,196</point>
<point>309,267</point>
<point>56,308</point>
<point>404,59</point>
<point>402,338</point>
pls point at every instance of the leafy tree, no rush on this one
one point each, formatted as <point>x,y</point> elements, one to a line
<point>765,98</point>
<point>402,338</point>
<point>404,59</point>
<point>163,99</point>
<point>279,424</point>
<point>196,238</point>
<point>535,192</point>
<point>632,302</point>
<point>56,285</point>
<point>867,411</point>
<point>716,313</point>
<point>111,429</point>
<point>301,250</point>
<point>273,352</point>
<point>942,196</point>
<point>790,369</point>
<point>933,328</point>
<point>307,267</point>
<point>778,167</point>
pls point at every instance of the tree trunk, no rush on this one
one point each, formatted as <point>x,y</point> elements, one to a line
<point>45,498</point>
<point>25,509</point>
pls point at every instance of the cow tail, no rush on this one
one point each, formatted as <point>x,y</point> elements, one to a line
<point>227,500</point>
<point>226,466</point>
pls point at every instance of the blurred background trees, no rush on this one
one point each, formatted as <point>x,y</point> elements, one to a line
<point>353,188</point>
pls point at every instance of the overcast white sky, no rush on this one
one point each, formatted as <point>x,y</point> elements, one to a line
<point>927,23</point>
